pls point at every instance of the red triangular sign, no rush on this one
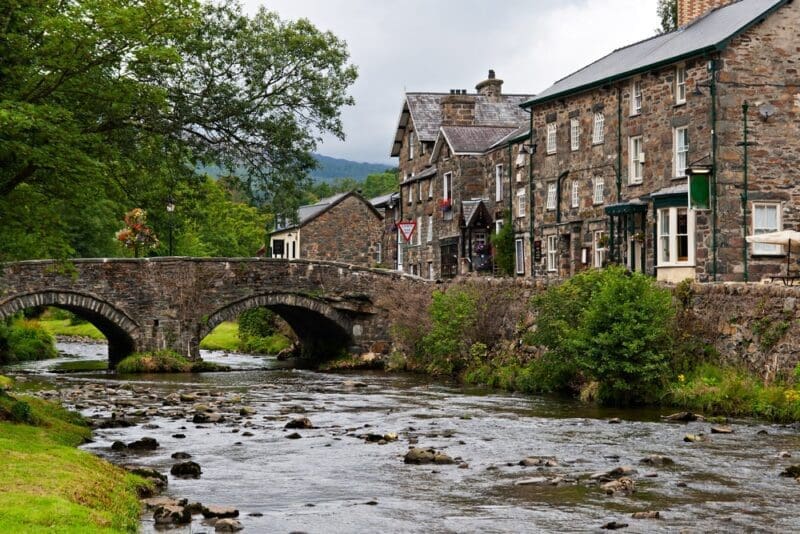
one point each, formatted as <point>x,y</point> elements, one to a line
<point>407,229</point>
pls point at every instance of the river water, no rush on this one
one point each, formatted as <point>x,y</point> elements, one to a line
<point>333,480</point>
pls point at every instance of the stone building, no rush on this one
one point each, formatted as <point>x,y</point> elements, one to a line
<point>388,206</point>
<point>345,228</point>
<point>619,143</point>
<point>451,149</point>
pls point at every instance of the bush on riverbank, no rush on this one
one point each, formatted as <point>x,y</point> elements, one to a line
<point>23,341</point>
<point>163,361</point>
<point>50,485</point>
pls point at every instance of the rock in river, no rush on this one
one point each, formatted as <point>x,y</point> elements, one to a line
<point>683,417</point>
<point>144,444</point>
<point>172,515</point>
<point>221,512</point>
<point>186,469</point>
<point>418,455</point>
<point>791,471</point>
<point>623,485</point>
<point>300,422</point>
<point>181,455</point>
<point>228,525</point>
<point>657,459</point>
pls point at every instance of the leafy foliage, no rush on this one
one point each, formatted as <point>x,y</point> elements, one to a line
<point>668,13</point>
<point>25,341</point>
<point>447,343</point>
<point>616,327</point>
<point>504,250</point>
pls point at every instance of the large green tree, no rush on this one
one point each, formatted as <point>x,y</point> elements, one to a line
<point>668,13</point>
<point>107,105</point>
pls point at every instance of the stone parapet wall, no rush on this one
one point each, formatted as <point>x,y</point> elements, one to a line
<point>754,325</point>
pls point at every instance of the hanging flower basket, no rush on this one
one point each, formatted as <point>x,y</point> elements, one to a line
<point>445,204</point>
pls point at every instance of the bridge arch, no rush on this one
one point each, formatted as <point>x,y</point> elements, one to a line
<point>120,329</point>
<point>323,330</point>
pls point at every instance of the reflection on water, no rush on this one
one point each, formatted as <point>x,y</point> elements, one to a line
<point>322,482</point>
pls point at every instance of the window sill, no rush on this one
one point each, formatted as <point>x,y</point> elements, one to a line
<point>675,178</point>
<point>679,104</point>
<point>598,143</point>
<point>635,184</point>
<point>598,203</point>
<point>551,153</point>
<point>672,265</point>
<point>767,255</point>
<point>635,114</point>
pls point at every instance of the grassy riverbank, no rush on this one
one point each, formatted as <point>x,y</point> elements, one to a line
<point>226,337</point>
<point>64,327</point>
<point>50,485</point>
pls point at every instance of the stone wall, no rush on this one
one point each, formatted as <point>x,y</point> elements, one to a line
<point>754,325</point>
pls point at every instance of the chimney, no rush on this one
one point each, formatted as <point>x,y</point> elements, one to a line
<point>691,10</point>
<point>491,86</point>
<point>458,108</point>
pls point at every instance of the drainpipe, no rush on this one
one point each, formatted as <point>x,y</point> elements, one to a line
<point>559,180</point>
<point>511,211</point>
<point>612,244</point>
<point>713,85</point>
<point>745,144</point>
<point>530,194</point>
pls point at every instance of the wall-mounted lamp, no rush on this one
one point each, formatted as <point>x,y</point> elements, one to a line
<point>698,85</point>
<point>529,148</point>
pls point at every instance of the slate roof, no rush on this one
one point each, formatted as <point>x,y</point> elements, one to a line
<point>470,208</point>
<point>310,211</point>
<point>425,109</point>
<point>474,139</point>
<point>384,200</point>
<point>710,32</point>
<point>520,133</point>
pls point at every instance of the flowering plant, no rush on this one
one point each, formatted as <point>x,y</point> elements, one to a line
<point>445,204</point>
<point>481,248</point>
<point>136,233</point>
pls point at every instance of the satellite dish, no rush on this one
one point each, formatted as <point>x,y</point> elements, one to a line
<point>766,111</point>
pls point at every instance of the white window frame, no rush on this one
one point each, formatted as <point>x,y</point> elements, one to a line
<point>430,270</point>
<point>411,141</point>
<point>378,253</point>
<point>411,194</point>
<point>550,204</point>
<point>552,253</point>
<point>598,191</point>
<point>576,199</point>
<point>635,156</point>
<point>447,182</point>
<point>419,230</point>
<point>430,189</point>
<point>498,225</point>
<point>680,84</point>
<point>680,153</point>
<point>764,249</point>
<point>498,182</point>
<point>519,255</point>
<point>419,191</point>
<point>430,228</point>
<point>599,250</point>
<point>636,96</point>
<point>670,237</point>
<point>598,134</point>
<point>552,137</point>
<point>522,203</point>
<point>575,134</point>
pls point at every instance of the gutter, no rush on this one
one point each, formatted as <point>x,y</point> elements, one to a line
<point>531,196</point>
<point>714,143</point>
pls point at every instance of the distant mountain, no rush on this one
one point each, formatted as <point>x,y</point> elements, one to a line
<point>332,168</point>
<point>329,169</point>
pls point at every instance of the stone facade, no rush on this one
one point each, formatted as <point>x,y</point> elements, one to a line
<point>348,229</point>
<point>156,303</point>
<point>451,237</point>
<point>628,222</point>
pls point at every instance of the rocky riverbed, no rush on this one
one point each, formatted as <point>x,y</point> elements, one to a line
<point>288,450</point>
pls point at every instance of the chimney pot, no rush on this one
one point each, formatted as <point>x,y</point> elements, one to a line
<point>491,74</point>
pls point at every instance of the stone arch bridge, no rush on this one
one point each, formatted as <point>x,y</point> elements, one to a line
<point>156,303</point>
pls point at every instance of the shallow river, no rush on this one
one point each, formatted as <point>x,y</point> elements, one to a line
<point>323,482</point>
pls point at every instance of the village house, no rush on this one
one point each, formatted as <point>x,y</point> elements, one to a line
<point>458,157</point>
<point>665,154</point>
<point>388,206</point>
<point>345,228</point>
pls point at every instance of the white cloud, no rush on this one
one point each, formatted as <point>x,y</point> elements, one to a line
<point>427,45</point>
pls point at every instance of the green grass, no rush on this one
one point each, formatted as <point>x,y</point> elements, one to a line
<point>50,486</point>
<point>63,327</point>
<point>226,337</point>
<point>729,391</point>
<point>5,382</point>
<point>223,337</point>
<point>81,365</point>
<point>164,361</point>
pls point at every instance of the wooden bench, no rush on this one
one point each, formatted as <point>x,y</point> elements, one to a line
<point>788,280</point>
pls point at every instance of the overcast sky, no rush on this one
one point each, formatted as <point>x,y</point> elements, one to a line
<point>438,45</point>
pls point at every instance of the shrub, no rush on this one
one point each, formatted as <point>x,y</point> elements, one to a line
<point>504,248</point>
<point>614,327</point>
<point>264,345</point>
<point>446,345</point>
<point>25,341</point>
